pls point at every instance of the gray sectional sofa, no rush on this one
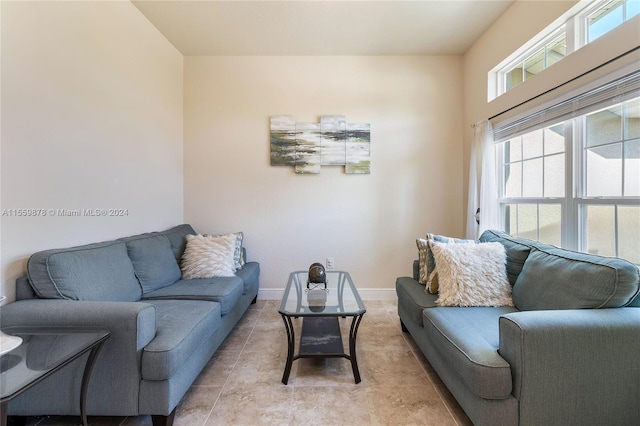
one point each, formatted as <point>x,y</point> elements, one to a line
<point>163,329</point>
<point>567,353</point>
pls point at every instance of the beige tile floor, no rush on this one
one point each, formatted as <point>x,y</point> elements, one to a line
<point>241,385</point>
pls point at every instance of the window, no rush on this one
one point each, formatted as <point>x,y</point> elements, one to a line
<point>589,21</point>
<point>605,16</point>
<point>611,180</point>
<point>533,182</point>
<point>576,183</point>
<point>551,50</point>
<point>611,151</point>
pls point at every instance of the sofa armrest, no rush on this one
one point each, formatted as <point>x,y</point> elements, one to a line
<point>135,320</point>
<point>574,366</point>
<point>115,381</point>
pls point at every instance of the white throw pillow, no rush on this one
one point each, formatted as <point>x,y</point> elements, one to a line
<point>206,257</point>
<point>238,257</point>
<point>472,274</point>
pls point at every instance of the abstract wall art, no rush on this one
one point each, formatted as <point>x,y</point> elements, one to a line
<point>332,142</point>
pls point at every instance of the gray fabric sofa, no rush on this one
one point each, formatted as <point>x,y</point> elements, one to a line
<point>567,353</point>
<point>163,329</point>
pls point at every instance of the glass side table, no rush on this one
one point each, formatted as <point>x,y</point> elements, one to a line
<point>43,351</point>
<point>320,306</point>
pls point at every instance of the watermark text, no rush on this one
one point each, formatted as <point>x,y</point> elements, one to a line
<point>57,212</point>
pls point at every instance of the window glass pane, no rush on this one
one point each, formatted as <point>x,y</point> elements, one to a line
<point>632,118</point>
<point>605,19</point>
<point>550,223</point>
<point>554,139</point>
<point>534,64</point>
<point>554,176</point>
<point>513,149</point>
<point>532,178</point>
<point>604,126</point>
<point>601,230</point>
<point>632,169</point>
<point>528,221</point>
<point>514,77</point>
<point>629,233</point>
<point>633,8</point>
<point>556,50</point>
<point>510,219</point>
<point>532,144</point>
<point>513,180</point>
<point>604,171</point>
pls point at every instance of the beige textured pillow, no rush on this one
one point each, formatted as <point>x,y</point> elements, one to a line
<point>432,266</point>
<point>472,274</point>
<point>238,258</point>
<point>206,257</point>
<point>433,279</point>
<point>422,260</point>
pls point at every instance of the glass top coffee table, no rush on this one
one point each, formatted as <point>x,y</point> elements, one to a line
<point>43,351</point>
<point>320,306</point>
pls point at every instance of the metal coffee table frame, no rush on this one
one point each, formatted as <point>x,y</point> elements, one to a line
<point>92,344</point>
<point>321,336</point>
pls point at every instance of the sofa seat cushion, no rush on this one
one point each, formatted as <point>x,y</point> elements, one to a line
<point>224,290</point>
<point>469,339</point>
<point>413,298</point>
<point>93,272</point>
<point>181,326</point>
<point>555,278</point>
<point>249,274</point>
<point>153,260</point>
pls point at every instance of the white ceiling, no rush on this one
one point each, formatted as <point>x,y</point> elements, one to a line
<point>300,27</point>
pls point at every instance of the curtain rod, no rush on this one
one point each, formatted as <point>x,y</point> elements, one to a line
<point>560,85</point>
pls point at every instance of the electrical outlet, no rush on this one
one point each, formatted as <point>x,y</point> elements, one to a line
<point>329,262</point>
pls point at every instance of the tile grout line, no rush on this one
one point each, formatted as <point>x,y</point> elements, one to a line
<point>222,389</point>
<point>435,386</point>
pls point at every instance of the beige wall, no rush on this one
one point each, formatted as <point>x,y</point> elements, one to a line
<point>368,223</point>
<point>91,119</point>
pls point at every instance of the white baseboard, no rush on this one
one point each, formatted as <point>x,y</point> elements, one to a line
<point>365,293</point>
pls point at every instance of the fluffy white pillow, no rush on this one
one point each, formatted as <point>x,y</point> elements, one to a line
<point>206,257</point>
<point>472,274</point>
<point>238,257</point>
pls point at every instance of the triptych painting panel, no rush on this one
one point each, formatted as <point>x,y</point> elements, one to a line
<point>332,142</point>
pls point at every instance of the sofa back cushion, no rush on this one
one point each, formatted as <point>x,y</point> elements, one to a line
<point>517,249</point>
<point>178,238</point>
<point>153,261</point>
<point>555,278</point>
<point>94,272</point>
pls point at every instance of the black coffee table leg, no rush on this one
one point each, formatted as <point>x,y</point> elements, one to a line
<point>353,332</point>
<point>85,381</point>
<point>291,340</point>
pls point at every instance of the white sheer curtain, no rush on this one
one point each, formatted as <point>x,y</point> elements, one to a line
<point>483,182</point>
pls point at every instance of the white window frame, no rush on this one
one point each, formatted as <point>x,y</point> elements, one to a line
<point>564,202</point>
<point>582,201</point>
<point>575,26</point>
<point>501,75</point>
<point>582,18</point>
<point>575,202</point>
